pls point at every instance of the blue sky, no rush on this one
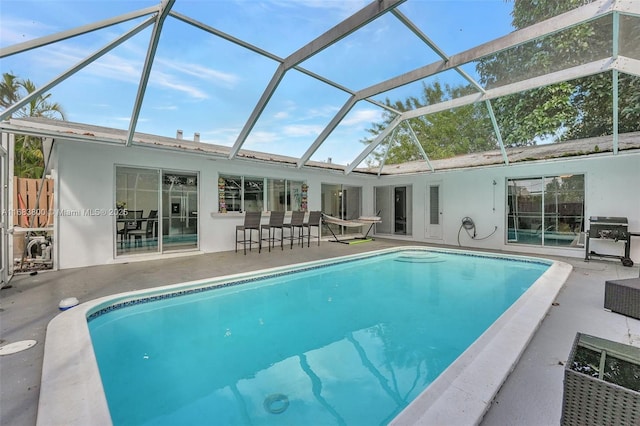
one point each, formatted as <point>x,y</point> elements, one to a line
<point>202,83</point>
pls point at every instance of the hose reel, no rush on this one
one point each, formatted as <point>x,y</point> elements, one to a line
<point>469,225</point>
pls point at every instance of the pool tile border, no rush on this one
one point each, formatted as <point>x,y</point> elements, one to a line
<point>217,285</point>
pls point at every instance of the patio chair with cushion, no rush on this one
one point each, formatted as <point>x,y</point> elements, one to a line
<point>296,225</point>
<point>276,221</point>
<point>314,221</point>
<point>251,223</point>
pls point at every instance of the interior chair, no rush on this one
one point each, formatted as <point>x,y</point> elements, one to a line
<point>121,228</point>
<point>150,229</point>
<point>296,225</point>
<point>314,221</point>
<point>132,221</point>
<point>251,223</point>
<point>276,221</point>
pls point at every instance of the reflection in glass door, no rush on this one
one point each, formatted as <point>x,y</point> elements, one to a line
<point>393,205</point>
<point>344,202</point>
<point>179,210</point>
<point>136,228</point>
<point>400,210</point>
<point>383,209</point>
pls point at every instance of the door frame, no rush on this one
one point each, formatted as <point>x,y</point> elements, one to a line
<point>5,237</point>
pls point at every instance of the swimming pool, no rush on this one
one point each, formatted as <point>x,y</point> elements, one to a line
<point>288,349</point>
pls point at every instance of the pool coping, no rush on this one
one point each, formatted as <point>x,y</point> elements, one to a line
<point>71,389</point>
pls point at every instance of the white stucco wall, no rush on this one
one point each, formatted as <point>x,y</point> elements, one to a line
<point>86,179</point>
<point>612,188</point>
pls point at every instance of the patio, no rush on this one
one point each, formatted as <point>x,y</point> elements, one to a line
<point>532,395</point>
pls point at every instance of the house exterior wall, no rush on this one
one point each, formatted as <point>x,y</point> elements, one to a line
<point>612,188</point>
<point>86,181</point>
<point>86,177</point>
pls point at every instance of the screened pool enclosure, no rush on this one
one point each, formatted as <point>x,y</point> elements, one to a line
<point>544,75</point>
<point>351,108</point>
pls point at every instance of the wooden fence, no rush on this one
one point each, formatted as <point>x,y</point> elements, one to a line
<point>26,205</point>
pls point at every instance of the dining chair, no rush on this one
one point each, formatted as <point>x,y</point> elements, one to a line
<point>148,232</point>
<point>132,221</point>
<point>251,223</point>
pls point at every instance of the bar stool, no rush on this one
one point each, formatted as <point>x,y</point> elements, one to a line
<point>297,222</point>
<point>276,221</point>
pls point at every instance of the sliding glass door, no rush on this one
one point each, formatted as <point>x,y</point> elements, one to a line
<point>393,205</point>
<point>137,210</point>
<point>179,210</point>
<point>151,203</point>
<point>546,211</point>
<point>344,202</point>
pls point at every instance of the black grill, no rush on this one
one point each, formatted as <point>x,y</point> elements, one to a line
<point>609,228</point>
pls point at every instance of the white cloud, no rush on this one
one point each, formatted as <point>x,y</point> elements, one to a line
<point>323,111</point>
<point>60,58</point>
<point>170,82</point>
<point>221,136</point>
<point>116,67</point>
<point>166,108</point>
<point>196,70</point>
<point>128,119</point>
<point>257,138</point>
<point>364,116</point>
<point>17,30</point>
<point>288,107</point>
<point>343,8</point>
<point>296,130</point>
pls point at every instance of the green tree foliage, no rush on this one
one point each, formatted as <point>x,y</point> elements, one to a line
<point>569,110</point>
<point>444,134</point>
<point>574,109</point>
<point>29,156</point>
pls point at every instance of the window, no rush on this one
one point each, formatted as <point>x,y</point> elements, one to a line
<point>283,195</point>
<point>276,195</point>
<point>243,193</point>
<point>253,194</point>
<point>297,193</point>
<point>547,211</point>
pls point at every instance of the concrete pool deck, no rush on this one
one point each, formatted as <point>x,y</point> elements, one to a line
<point>531,395</point>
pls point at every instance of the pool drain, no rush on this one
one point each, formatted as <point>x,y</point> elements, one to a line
<point>276,403</point>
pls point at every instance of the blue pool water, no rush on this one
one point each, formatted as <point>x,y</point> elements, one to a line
<point>346,344</point>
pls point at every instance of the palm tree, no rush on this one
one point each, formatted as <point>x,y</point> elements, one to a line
<point>9,88</point>
<point>29,156</point>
